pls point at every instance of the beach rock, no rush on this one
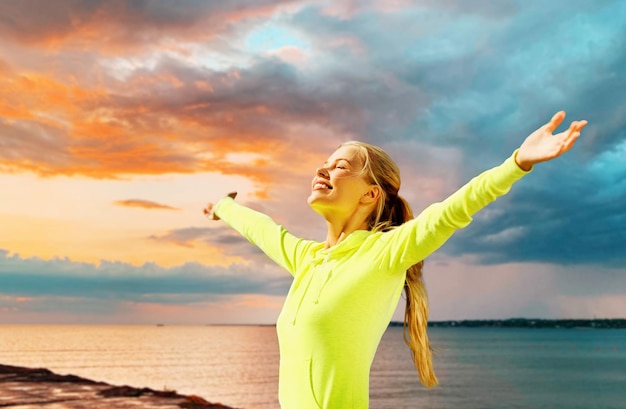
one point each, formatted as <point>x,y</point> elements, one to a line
<point>29,388</point>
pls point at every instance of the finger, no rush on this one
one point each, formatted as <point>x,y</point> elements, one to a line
<point>576,126</point>
<point>555,121</point>
<point>569,142</point>
<point>573,127</point>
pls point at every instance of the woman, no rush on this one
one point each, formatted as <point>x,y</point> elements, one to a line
<point>346,288</point>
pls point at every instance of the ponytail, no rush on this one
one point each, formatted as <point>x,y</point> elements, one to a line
<point>416,315</point>
<point>416,323</point>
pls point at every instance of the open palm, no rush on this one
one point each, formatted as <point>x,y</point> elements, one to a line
<point>542,145</point>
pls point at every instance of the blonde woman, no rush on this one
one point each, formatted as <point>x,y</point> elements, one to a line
<point>346,288</point>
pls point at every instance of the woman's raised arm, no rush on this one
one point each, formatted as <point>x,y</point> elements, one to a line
<point>274,240</point>
<point>418,238</point>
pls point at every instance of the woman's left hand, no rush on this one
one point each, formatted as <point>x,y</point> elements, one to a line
<point>209,209</point>
<point>541,145</point>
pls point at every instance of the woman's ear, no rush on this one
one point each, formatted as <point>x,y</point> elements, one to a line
<point>371,195</point>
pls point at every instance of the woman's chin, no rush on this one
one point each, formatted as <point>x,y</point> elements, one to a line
<point>314,198</point>
<point>316,203</point>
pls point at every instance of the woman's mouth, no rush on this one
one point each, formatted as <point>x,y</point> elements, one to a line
<point>321,186</point>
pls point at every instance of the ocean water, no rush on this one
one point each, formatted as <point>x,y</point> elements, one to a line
<point>478,368</point>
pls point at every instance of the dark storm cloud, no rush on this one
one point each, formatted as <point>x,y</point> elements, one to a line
<point>564,219</point>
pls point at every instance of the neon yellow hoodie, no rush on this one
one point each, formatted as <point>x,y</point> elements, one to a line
<point>342,298</point>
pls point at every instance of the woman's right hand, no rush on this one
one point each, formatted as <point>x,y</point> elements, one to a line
<point>542,145</point>
<point>208,209</point>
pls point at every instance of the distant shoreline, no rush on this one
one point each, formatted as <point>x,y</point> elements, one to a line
<point>608,323</point>
<point>616,323</point>
<point>598,323</point>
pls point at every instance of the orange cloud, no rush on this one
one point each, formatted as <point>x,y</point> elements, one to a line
<point>56,127</point>
<point>170,117</point>
<point>144,204</point>
<point>32,95</point>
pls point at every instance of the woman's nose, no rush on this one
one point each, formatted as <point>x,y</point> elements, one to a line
<point>322,172</point>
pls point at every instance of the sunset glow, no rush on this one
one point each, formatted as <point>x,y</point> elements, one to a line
<point>120,120</point>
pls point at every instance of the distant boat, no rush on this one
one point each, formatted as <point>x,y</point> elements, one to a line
<point>160,325</point>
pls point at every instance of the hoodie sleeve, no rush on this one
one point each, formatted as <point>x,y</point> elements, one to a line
<point>418,238</point>
<point>274,240</point>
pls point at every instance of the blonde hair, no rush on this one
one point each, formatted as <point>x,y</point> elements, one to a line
<point>392,211</point>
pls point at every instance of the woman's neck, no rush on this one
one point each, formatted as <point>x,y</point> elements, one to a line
<point>338,231</point>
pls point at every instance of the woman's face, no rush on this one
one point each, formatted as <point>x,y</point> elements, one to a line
<point>339,185</point>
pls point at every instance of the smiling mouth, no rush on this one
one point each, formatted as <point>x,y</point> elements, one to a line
<point>321,186</point>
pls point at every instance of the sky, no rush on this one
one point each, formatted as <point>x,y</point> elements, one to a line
<point>120,120</point>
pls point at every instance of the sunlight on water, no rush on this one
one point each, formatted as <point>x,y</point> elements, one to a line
<point>238,365</point>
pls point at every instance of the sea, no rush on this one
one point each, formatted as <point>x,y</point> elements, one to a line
<point>478,368</point>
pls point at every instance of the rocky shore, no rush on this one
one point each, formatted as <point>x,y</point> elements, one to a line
<point>28,388</point>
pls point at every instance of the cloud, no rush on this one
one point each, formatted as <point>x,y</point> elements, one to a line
<point>176,115</point>
<point>34,277</point>
<point>223,237</point>
<point>348,9</point>
<point>124,90</point>
<point>144,204</point>
<point>123,26</point>
<point>554,216</point>
<point>149,125</point>
<point>486,85</point>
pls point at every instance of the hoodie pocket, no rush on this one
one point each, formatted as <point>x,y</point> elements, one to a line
<point>295,385</point>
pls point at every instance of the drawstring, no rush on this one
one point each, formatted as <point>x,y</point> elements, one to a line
<point>315,264</point>
<point>328,276</point>
<point>306,289</point>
